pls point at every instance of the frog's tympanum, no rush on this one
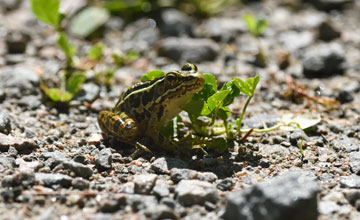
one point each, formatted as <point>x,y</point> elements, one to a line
<point>147,106</point>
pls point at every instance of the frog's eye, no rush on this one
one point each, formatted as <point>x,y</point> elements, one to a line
<point>189,67</point>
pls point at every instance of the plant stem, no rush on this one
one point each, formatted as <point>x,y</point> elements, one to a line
<point>242,114</point>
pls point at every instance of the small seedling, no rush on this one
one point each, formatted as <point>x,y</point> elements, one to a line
<point>256,27</point>
<point>48,12</point>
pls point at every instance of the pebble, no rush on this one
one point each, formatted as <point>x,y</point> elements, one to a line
<point>327,31</point>
<point>324,60</point>
<point>16,42</point>
<point>259,120</point>
<point>162,165</point>
<point>352,182</point>
<point>50,179</point>
<point>187,49</point>
<point>5,122</point>
<point>294,41</point>
<point>289,196</point>
<point>297,135</point>
<point>354,159</point>
<point>177,175</point>
<point>89,93</point>
<point>226,184</point>
<point>144,183</point>
<point>20,144</point>
<point>23,178</point>
<point>191,192</point>
<point>346,143</point>
<point>80,183</point>
<point>78,168</point>
<point>161,190</point>
<point>103,160</point>
<point>223,29</point>
<point>175,23</point>
<point>345,96</point>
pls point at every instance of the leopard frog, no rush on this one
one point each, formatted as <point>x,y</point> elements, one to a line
<point>147,106</point>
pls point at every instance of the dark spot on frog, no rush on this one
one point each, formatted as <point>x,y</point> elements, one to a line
<point>134,101</point>
<point>117,124</point>
<point>160,112</point>
<point>147,97</point>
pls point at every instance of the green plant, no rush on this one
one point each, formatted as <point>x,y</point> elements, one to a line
<point>256,27</point>
<point>48,12</point>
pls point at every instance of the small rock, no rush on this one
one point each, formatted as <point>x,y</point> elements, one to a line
<point>31,102</point>
<point>88,93</point>
<point>352,196</point>
<point>187,49</point>
<point>290,196</point>
<point>55,155</point>
<point>161,190</point>
<point>191,192</point>
<point>294,41</point>
<point>80,183</point>
<point>112,203</point>
<point>224,29</point>
<point>352,182</point>
<point>175,23</point>
<point>50,179</point>
<point>297,135</point>
<point>5,122</point>
<point>140,202</point>
<point>327,32</point>
<point>6,162</point>
<point>328,207</point>
<point>144,183</point>
<point>225,184</point>
<point>78,168</point>
<point>354,159</point>
<point>104,159</point>
<point>25,145</point>
<point>16,42</point>
<point>24,178</point>
<point>259,120</point>
<point>160,211</point>
<point>324,60</point>
<point>177,175</point>
<point>346,143</point>
<point>162,165</point>
<point>345,96</point>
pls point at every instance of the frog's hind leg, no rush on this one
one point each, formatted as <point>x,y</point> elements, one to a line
<point>120,126</point>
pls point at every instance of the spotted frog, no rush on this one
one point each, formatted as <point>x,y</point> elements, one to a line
<point>147,106</point>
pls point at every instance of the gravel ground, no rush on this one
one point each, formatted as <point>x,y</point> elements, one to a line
<point>54,164</point>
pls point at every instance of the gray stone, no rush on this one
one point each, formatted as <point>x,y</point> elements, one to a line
<point>78,168</point>
<point>354,159</point>
<point>80,183</point>
<point>225,184</point>
<point>294,41</point>
<point>20,144</point>
<point>6,162</point>
<point>224,29</point>
<point>160,211</point>
<point>290,196</point>
<point>89,93</point>
<point>327,31</point>
<point>175,23</point>
<point>259,120</point>
<point>5,122</point>
<point>50,179</point>
<point>192,192</point>
<point>189,50</point>
<point>104,159</point>
<point>144,183</point>
<point>30,102</point>
<point>24,178</point>
<point>161,190</point>
<point>345,96</point>
<point>16,42</point>
<point>324,60</point>
<point>177,175</point>
<point>352,181</point>
<point>162,165</point>
<point>328,207</point>
<point>54,154</point>
<point>346,143</point>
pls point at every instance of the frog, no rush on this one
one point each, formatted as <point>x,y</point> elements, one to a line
<point>147,106</point>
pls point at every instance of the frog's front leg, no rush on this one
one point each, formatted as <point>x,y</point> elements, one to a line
<point>119,126</point>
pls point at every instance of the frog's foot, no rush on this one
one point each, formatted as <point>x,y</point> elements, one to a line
<point>140,149</point>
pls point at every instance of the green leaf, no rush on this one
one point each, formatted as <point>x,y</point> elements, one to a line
<point>96,51</point>
<point>255,26</point>
<point>248,87</point>
<point>74,83</point>
<point>152,75</point>
<point>214,101</point>
<point>57,95</point>
<point>131,56</point>
<point>195,106</point>
<point>210,80</point>
<point>66,47</point>
<point>223,113</point>
<point>46,11</point>
<point>233,87</point>
<point>88,21</point>
<point>218,143</point>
